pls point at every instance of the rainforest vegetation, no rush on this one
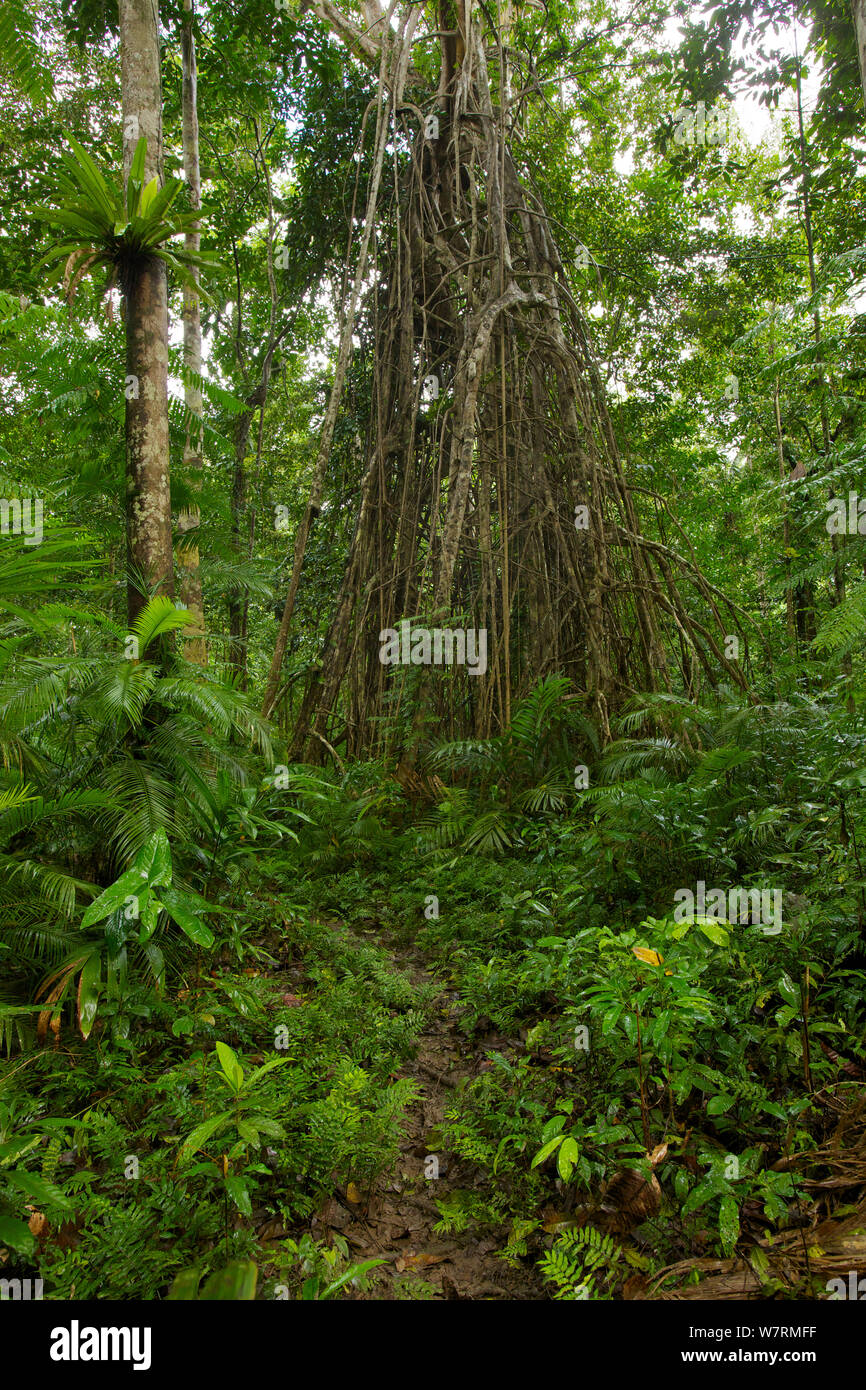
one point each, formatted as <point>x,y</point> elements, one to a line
<point>432,636</point>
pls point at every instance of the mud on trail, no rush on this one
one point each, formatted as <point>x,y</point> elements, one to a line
<point>396,1220</point>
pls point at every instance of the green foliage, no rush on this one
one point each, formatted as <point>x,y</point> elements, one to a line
<point>210,994</point>
<point>104,226</point>
<point>587,1264</point>
<point>325,1272</point>
<point>237,1282</point>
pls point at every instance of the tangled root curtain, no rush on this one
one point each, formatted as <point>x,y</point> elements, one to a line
<point>494,495</point>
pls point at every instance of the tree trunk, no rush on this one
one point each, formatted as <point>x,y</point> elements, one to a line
<point>148,496</point>
<point>188,522</point>
<point>477,298</point>
<point>237,651</point>
<point>314,505</point>
<point>858,15</point>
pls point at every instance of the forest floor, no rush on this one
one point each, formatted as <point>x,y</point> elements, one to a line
<point>401,1216</point>
<point>396,1219</point>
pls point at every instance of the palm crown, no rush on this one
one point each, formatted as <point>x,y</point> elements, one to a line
<point>103,225</point>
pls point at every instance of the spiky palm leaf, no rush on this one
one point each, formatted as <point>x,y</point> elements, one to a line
<point>103,226</point>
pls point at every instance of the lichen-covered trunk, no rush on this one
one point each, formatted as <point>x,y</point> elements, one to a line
<point>189,574</point>
<point>237,650</point>
<point>148,494</point>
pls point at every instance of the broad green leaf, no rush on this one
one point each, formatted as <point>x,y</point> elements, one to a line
<point>148,193</point>
<point>789,992</point>
<point>660,1026</point>
<point>681,1184</point>
<point>261,1071</point>
<point>566,1158</point>
<point>156,962</point>
<point>178,908</point>
<point>88,993</point>
<point>136,174</point>
<point>611,1018</point>
<point>547,1150</point>
<point>701,1194</point>
<point>201,1134</point>
<point>354,1272</point>
<point>115,932</point>
<point>45,1193</point>
<point>239,1193</point>
<point>148,916</point>
<point>184,1286</point>
<point>729,1223</point>
<point>16,1235</point>
<point>87,176</point>
<point>162,201</point>
<point>115,896</point>
<point>17,1148</point>
<point>267,1126</point>
<point>237,1282</point>
<point>772,1107</point>
<point>154,858</point>
<point>717,934</point>
<point>555,1125</point>
<point>231,1067</point>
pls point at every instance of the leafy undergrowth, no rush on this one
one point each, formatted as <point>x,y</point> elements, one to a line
<point>523,1043</point>
<point>223,1119</point>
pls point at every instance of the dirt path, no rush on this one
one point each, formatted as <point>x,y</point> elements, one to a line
<point>395,1221</point>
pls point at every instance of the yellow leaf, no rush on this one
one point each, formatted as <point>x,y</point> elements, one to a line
<point>352,1193</point>
<point>645,954</point>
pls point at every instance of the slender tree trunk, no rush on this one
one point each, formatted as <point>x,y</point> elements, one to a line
<point>188,523</point>
<point>237,655</point>
<point>858,15</point>
<point>148,495</point>
<point>839,565</point>
<point>783,473</point>
<point>314,504</point>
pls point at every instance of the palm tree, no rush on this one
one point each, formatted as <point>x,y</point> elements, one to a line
<point>129,232</point>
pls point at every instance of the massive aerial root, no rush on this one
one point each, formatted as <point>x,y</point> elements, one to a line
<point>494,497</point>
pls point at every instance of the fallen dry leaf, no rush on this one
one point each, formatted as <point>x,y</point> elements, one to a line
<point>37,1222</point>
<point>418,1261</point>
<point>554,1219</point>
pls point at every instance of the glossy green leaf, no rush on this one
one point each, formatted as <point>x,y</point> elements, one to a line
<point>88,993</point>
<point>231,1067</point>
<point>566,1158</point>
<point>177,906</point>
<point>237,1282</point>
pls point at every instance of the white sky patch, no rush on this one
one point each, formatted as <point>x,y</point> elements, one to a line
<point>754,121</point>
